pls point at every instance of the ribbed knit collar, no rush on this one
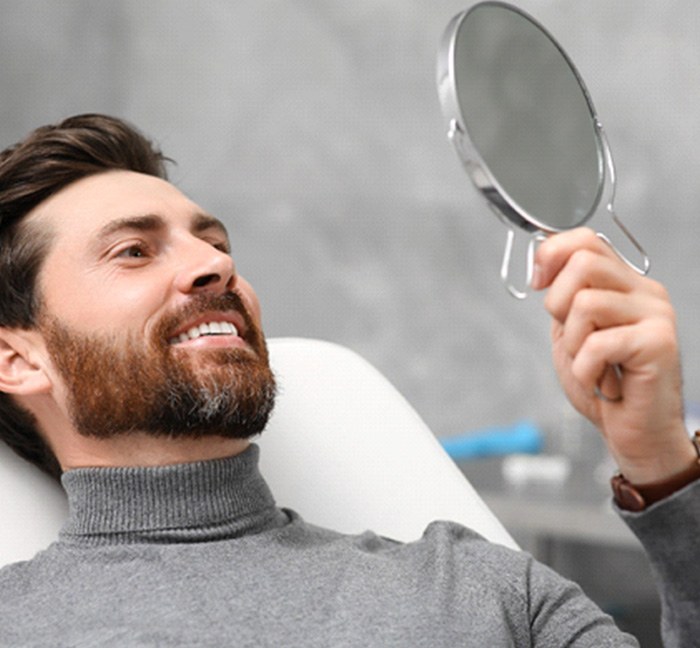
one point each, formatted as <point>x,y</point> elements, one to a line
<point>193,502</point>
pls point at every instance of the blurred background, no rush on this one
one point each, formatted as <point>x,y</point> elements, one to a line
<point>313,129</point>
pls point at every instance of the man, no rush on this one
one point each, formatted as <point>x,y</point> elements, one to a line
<point>132,364</point>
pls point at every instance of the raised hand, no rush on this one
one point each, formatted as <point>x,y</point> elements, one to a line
<point>606,314</point>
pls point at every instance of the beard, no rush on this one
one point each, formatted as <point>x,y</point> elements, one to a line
<point>116,386</point>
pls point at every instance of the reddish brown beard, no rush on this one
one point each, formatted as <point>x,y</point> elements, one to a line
<point>117,387</point>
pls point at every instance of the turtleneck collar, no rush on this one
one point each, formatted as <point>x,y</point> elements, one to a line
<point>193,502</point>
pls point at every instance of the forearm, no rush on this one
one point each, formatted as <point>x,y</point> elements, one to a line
<point>669,531</point>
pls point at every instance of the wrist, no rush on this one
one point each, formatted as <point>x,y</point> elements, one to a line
<point>638,496</point>
<point>654,457</point>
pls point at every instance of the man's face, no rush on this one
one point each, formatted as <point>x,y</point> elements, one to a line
<point>145,321</point>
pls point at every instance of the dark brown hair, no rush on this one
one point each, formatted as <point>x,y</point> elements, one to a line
<point>47,160</point>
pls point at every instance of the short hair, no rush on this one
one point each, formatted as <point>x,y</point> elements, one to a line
<point>47,160</point>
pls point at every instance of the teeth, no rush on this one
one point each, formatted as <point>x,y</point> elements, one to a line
<point>208,328</point>
<point>227,327</point>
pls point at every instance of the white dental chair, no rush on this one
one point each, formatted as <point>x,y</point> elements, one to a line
<point>343,448</point>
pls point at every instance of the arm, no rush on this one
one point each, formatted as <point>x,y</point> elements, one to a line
<point>669,532</point>
<point>604,314</point>
<point>562,615</point>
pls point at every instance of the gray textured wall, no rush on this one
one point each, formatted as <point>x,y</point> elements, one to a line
<point>313,129</point>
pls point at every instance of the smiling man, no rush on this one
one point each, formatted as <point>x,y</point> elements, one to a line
<point>140,305</point>
<point>136,328</point>
<point>133,367</point>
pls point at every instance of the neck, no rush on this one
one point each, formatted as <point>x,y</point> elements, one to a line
<point>200,501</point>
<point>142,450</point>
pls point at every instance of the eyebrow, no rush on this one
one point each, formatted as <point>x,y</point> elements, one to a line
<point>204,222</point>
<point>153,222</point>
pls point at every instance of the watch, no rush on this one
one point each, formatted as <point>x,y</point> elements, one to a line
<point>629,497</point>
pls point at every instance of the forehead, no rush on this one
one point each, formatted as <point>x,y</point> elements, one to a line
<point>86,207</point>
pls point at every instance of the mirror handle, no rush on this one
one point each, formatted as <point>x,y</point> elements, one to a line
<point>530,265</point>
<point>610,163</point>
<point>646,262</point>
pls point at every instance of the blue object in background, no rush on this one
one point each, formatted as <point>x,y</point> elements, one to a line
<point>521,437</point>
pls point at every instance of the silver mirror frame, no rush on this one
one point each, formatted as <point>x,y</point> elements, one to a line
<point>513,216</point>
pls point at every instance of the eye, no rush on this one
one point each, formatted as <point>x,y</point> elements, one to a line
<point>220,245</point>
<point>134,251</point>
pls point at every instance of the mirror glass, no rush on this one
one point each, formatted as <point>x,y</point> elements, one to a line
<point>527,113</point>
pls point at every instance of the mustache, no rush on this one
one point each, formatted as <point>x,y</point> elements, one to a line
<point>224,303</point>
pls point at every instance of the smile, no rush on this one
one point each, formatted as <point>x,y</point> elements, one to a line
<point>205,329</point>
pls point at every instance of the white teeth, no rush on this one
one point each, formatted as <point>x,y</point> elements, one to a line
<point>208,328</point>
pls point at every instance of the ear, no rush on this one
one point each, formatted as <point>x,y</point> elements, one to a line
<point>22,362</point>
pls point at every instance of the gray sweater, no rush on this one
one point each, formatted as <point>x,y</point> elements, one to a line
<point>199,555</point>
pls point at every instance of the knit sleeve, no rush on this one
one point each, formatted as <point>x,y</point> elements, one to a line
<point>669,530</point>
<point>562,615</point>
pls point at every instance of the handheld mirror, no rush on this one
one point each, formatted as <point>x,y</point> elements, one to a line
<point>526,131</point>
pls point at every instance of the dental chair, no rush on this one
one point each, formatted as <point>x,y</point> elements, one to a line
<point>343,448</point>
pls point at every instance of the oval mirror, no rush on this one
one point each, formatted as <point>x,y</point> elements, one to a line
<point>525,127</point>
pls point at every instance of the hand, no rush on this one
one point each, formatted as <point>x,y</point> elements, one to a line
<point>605,314</point>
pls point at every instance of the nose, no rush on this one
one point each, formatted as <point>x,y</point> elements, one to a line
<point>205,268</point>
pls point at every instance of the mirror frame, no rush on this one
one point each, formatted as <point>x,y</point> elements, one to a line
<point>471,158</point>
<point>500,202</point>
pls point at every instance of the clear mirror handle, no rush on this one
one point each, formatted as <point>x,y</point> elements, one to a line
<point>610,163</point>
<point>519,293</point>
<point>646,262</point>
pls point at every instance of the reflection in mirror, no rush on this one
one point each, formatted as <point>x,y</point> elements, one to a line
<point>524,126</point>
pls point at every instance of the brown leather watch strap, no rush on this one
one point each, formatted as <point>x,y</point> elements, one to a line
<point>636,498</point>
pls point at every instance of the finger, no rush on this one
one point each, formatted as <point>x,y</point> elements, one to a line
<point>586,269</point>
<point>591,366</point>
<point>645,349</point>
<point>594,309</point>
<point>609,387</point>
<point>553,254</point>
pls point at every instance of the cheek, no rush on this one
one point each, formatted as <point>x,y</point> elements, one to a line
<point>61,295</point>
<point>98,304</point>
<point>250,298</point>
